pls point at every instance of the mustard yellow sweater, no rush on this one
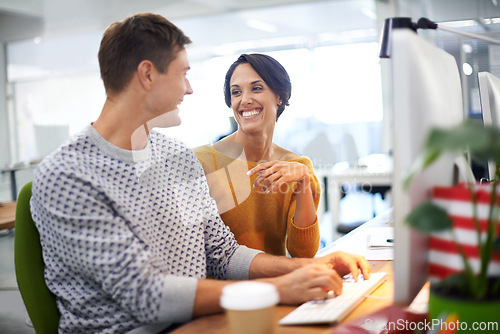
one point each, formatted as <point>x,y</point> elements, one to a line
<point>259,220</point>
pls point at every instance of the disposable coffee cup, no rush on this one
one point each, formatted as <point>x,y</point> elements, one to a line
<point>250,307</point>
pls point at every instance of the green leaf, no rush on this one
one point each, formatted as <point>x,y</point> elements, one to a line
<point>429,217</point>
<point>496,245</point>
<point>495,290</point>
<point>454,281</point>
<point>482,141</point>
<point>423,161</point>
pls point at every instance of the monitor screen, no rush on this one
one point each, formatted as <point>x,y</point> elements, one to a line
<point>489,91</point>
<point>426,93</point>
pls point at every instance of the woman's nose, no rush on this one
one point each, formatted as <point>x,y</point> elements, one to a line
<point>246,98</point>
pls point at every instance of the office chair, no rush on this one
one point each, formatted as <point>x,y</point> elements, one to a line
<point>39,301</point>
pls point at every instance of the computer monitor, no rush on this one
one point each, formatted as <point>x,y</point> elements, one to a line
<point>489,91</point>
<point>426,93</point>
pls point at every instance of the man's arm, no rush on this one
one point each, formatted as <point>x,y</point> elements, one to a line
<point>265,265</point>
<point>297,280</point>
<point>310,282</point>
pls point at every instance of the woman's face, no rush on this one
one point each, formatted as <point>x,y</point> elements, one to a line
<point>254,104</point>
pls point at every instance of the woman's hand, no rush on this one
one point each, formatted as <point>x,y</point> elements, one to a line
<point>273,174</point>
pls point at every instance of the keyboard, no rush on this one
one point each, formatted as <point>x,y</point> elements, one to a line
<point>334,309</point>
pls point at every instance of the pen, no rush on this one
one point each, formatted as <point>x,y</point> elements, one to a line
<point>390,240</point>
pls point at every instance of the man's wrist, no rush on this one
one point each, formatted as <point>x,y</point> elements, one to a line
<point>265,265</point>
<point>302,261</point>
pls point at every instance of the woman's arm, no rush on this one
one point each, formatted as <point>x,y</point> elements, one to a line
<point>273,174</point>
<point>303,230</point>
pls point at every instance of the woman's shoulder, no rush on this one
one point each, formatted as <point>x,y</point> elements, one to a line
<point>229,149</point>
<point>283,154</point>
<point>202,151</point>
<point>286,155</point>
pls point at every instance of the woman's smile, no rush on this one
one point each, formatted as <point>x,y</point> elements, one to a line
<point>249,114</point>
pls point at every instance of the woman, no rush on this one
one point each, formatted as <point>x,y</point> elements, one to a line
<point>267,195</point>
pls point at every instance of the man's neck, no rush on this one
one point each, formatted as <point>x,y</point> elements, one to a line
<point>119,124</point>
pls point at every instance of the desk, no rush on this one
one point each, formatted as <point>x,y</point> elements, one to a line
<point>11,170</point>
<point>341,174</point>
<point>13,184</point>
<point>356,241</point>
<point>217,323</point>
<point>7,215</point>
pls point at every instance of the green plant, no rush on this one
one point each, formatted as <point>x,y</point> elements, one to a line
<point>481,143</point>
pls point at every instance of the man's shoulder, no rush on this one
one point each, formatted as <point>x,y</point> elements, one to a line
<point>68,156</point>
<point>171,146</point>
<point>166,141</point>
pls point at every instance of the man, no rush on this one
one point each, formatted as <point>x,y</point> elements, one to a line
<point>128,229</point>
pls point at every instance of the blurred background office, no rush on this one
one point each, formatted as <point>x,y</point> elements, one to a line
<point>51,86</point>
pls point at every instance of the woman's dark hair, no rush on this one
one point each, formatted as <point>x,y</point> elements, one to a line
<point>270,70</point>
<point>139,37</point>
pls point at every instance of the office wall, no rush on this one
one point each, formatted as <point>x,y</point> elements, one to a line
<point>56,77</point>
<point>13,26</point>
<point>4,128</point>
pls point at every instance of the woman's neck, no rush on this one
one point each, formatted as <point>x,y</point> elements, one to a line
<point>256,147</point>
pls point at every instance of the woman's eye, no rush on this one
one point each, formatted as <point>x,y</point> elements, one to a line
<point>258,88</point>
<point>235,92</point>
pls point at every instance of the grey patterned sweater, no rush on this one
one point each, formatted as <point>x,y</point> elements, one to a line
<point>126,234</point>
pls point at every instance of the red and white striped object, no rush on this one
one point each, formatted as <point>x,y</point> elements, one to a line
<point>444,257</point>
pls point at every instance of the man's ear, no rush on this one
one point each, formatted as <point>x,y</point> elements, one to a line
<point>145,73</point>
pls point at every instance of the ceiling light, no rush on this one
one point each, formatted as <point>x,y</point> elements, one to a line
<point>467,68</point>
<point>260,25</point>
<point>369,13</point>
<point>458,24</point>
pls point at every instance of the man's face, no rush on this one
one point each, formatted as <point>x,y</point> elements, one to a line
<point>169,90</point>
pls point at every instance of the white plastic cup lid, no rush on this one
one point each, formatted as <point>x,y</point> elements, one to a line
<point>249,296</point>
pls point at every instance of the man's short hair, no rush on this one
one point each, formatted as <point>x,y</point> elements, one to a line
<point>139,37</point>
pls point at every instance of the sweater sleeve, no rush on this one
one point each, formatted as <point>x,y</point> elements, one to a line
<point>304,242</point>
<point>92,245</point>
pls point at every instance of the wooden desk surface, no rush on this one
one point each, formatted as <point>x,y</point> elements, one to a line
<point>7,215</point>
<point>380,298</point>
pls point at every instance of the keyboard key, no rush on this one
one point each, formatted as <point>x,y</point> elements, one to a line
<point>333,310</point>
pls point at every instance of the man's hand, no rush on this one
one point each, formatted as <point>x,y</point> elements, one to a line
<point>311,282</point>
<point>345,263</point>
<point>299,280</point>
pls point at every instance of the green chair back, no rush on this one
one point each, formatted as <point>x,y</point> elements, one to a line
<point>39,301</point>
